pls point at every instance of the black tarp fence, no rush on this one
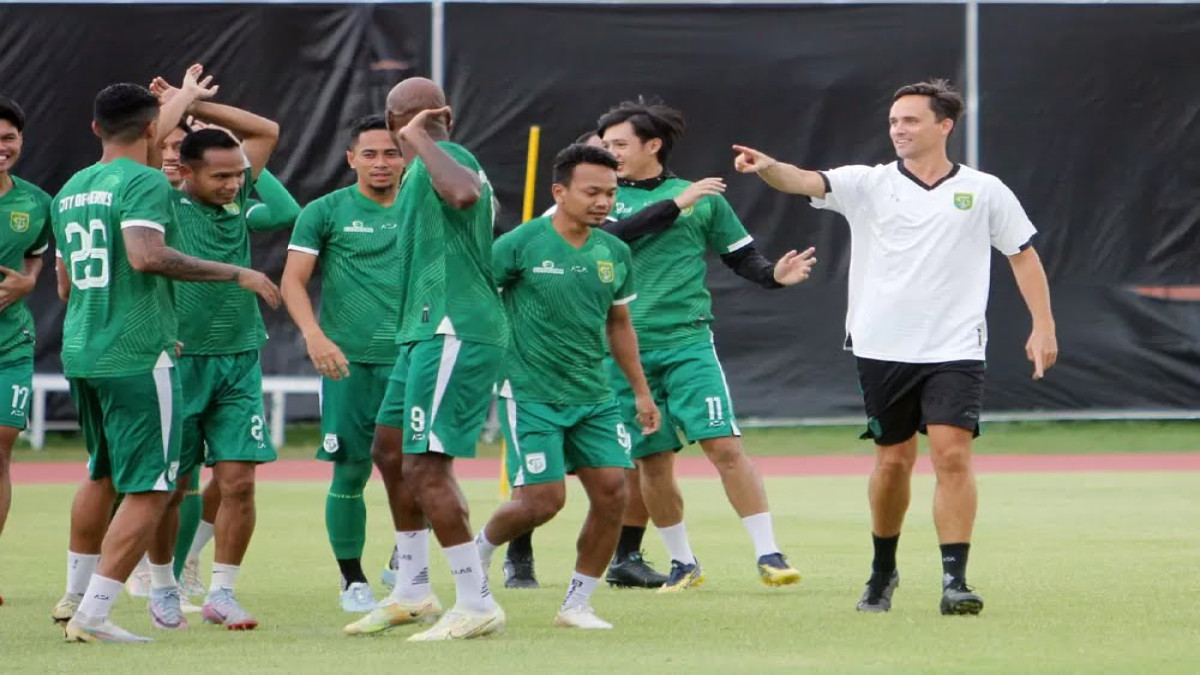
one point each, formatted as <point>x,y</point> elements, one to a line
<point>1091,113</point>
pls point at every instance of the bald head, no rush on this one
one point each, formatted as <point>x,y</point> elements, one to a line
<point>410,97</point>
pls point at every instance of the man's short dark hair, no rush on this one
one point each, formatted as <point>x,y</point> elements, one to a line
<point>650,119</point>
<point>122,111</point>
<point>364,124</point>
<point>586,136</point>
<point>944,100</point>
<point>201,141</point>
<point>9,110</point>
<point>578,153</point>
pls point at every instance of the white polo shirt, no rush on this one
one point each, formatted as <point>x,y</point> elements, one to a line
<point>920,260</point>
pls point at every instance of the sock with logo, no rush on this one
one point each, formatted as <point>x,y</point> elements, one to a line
<point>469,579</point>
<point>954,562</point>
<point>412,566</point>
<point>579,591</point>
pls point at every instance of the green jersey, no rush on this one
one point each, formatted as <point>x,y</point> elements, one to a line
<point>354,238</point>
<point>444,257</point>
<point>217,317</point>
<point>119,321</point>
<point>674,306</point>
<point>557,299</point>
<point>24,233</point>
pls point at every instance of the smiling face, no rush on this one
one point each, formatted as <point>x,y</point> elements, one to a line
<point>10,145</point>
<point>914,128</point>
<point>376,160</point>
<point>170,156</point>
<point>218,177</point>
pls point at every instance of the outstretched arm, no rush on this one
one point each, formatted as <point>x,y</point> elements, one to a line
<point>780,175</point>
<point>148,252</point>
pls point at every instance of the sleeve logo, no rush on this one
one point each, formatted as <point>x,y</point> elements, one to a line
<point>18,221</point>
<point>605,268</point>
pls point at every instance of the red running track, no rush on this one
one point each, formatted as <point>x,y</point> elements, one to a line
<point>26,473</point>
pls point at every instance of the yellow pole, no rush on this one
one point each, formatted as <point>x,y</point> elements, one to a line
<point>531,158</point>
<point>535,136</point>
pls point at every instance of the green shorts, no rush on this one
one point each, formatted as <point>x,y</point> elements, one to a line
<point>546,442</point>
<point>690,391</point>
<point>223,410</point>
<point>131,425</point>
<point>439,393</point>
<point>348,410</point>
<point>16,381</point>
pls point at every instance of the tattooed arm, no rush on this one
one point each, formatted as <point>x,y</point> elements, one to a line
<point>148,252</point>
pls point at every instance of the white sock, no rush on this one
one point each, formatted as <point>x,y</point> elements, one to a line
<point>762,532</point>
<point>204,534</point>
<point>579,591</point>
<point>469,580</point>
<point>676,540</point>
<point>486,550</point>
<point>80,568</point>
<point>143,565</point>
<point>412,569</point>
<point>162,576</point>
<point>223,577</point>
<point>98,600</point>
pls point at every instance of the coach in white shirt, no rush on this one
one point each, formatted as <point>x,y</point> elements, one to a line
<point>920,232</point>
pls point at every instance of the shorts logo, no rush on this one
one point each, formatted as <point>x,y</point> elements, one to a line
<point>173,471</point>
<point>331,443</point>
<point>535,462</point>
<point>19,222</point>
<point>548,267</point>
<point>963,201</point>
<point>605,268</point>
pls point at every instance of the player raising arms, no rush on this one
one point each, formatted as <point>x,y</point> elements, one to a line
<point>223,422</point>
<point>110,224</point>
<point>452,337</point>
<point>672,318</point>
<point>351,232</point>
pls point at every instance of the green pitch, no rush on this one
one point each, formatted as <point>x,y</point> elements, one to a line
<point>1080,573</point>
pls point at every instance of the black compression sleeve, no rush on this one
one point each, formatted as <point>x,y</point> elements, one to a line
<point>650,220</point>
<point>748,263</point>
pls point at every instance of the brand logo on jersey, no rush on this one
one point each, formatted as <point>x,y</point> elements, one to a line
<point>389,226</point>
<point>605,268</point>
<point>622,210</point>
<point>358,226</point>
<point>535,462</point>
<point>331,443</point>
<point>19,221</point>
<point>548,267</point>
<point>579,269</point>
<point>963,201</point>
<point>232,208</point>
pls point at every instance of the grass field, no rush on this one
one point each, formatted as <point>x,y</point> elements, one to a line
<point>999,437</point>
<point>1088,572</point>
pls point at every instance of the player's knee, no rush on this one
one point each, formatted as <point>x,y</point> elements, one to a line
<point>657,468</point>
<point>724,453</point>
<point>239,488</point>
<point>546,504</point>
<point>610,495</point>
<point>954,460</point>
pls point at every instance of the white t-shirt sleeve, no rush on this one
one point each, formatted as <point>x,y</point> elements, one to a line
<point>843,188</point>
<point>1008,225</point>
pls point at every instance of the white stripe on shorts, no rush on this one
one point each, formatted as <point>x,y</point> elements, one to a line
<point>162,387</point>
<point>510,407</point>
<point>450,349</point>
<point>728,397</point>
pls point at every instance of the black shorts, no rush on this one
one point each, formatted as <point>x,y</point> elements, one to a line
<point>904,398</point>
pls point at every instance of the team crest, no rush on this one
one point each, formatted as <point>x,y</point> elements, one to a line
<point>535,462</point>
<point>331,443</point>
<point>232,208</point>
<point>605,269</point>
<point>687,212</point>
<point>19,221</point>
<point>963,201</point>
